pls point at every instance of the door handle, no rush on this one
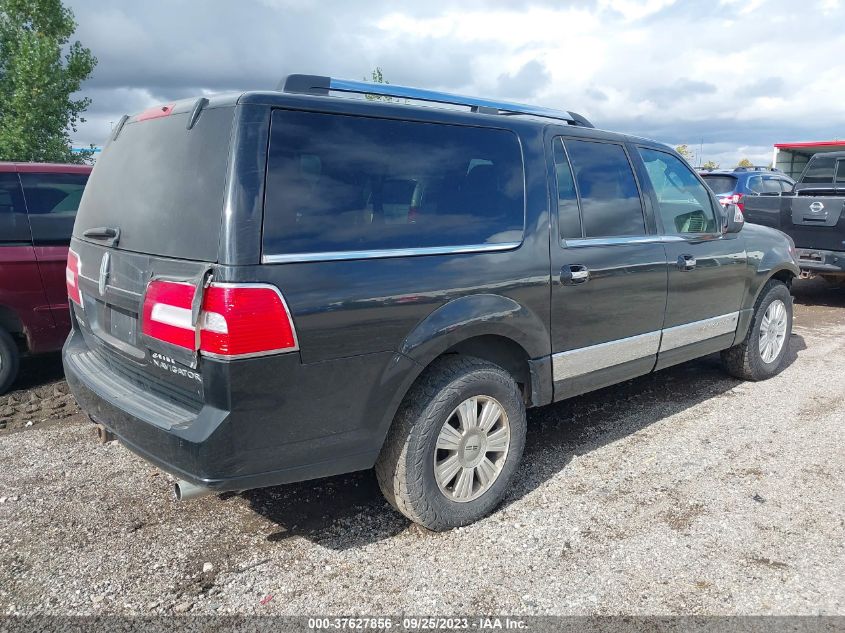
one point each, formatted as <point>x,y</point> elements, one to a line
<point>574,274</point>
<point>686,262</point>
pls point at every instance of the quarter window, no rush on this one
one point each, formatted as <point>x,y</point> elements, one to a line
<point>610,200</point>
<point>569,218</point>
<point>338,183</point>
<point>683,203</point>
<point>840,171</point>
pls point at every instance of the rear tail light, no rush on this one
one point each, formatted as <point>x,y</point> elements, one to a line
<point>737,199</point>
<point>236,320</point>
<point>167,313</point>
<point>72,277</point>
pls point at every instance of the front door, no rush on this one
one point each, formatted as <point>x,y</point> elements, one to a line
<point>707,270</point>
<point>608,270</point>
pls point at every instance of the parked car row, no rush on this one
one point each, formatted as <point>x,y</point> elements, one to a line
<point>38,204</point>
<point>268,287</point>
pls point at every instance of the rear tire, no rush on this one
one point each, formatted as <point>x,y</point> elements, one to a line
<point>762,352</point>
<point>9,361</point>
<point>464,415</point>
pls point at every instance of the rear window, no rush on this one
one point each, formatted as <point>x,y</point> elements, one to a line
<point>819,171</point>
<point>720,184</point>
<point>338,183</point>
<point>162,185</point>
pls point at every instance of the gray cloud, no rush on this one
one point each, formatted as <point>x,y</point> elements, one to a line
<point>595,94</point>
<point>525,82</point>
<point>680,90</point>
<point>768,87</point>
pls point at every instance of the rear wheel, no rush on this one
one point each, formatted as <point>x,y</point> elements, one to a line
<point>454,445</point>
<point>9,359</point>
<point>761,354</point>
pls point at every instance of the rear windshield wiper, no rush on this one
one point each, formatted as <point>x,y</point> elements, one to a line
<point>108,234</point>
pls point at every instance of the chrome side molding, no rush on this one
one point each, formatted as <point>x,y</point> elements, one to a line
<point>689,333</point>
<point>387,252</point>
<point>585,360</point>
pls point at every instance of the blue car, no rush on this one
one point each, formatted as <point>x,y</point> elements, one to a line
<point>731,186</point>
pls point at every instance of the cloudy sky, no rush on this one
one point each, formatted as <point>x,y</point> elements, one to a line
<point>735,75</point>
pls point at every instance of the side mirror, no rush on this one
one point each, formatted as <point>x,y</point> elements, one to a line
<point>733,220</point>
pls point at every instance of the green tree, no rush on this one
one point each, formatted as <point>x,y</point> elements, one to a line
<point>39,73</point>
<point>686,152</point>
<point>377,77</point>
<point>710,165</point>
<point>745,163</point>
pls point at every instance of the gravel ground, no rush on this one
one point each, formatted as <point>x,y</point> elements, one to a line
<point>683,492</point>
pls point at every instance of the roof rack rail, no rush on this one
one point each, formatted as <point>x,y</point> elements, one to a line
<point>318,85</point>
<point>756,168</point>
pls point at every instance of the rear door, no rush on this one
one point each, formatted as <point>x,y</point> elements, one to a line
<point>152,209</point>
<point>21,291</point>
<point>707,270</point>
<point>52,200</point>
<point>608,269</point>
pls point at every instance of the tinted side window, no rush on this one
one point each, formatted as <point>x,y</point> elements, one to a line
<point>569,218</point>
<point>53,193</point>
<point>342,183</point>
<point>771,186</point>
<point>786,186</point>
<point>610,200</point>
<point>52,201</point>
<point>13,224</point>
<point>755,184</point>
<point>682,201</point>
<point>819,171</point>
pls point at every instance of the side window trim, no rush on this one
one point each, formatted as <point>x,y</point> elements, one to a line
<point>645,202</point>
<point>715,206</point>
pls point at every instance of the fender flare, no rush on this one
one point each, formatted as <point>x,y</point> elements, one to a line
<point>476,315</point>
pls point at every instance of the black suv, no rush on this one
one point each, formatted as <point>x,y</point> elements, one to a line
<point>275,286</point>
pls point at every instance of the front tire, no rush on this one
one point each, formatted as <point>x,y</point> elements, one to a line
<point>761,354</point>
<point>9,360</point>
<point>454,445</point>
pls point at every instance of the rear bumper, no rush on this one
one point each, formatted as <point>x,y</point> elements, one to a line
<point>821,261</point>
<point>262,438</point>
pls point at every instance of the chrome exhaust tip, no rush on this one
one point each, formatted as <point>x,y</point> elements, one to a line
<point>185,490</point>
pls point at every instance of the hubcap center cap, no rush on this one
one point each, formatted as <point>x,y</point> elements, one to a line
<point>472,449</point>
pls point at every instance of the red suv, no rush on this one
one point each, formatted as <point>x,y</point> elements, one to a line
<point>38,204</point>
